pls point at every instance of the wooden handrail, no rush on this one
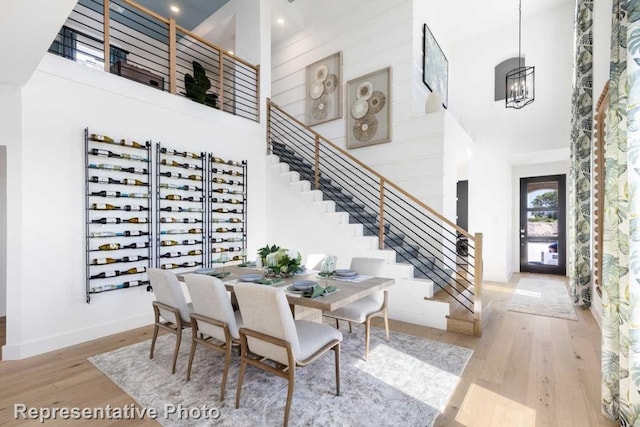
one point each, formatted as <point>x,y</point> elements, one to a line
<point>105,30</point>
<point>147,11</point>
<point>378,175</point>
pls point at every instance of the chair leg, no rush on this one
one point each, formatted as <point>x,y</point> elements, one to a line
<point>191,354</point>
<point>225,373</point>
<point>337,324</point>
<point>386,323</point>
<point>292,380</point>
<point>243,367</point>
<point>336,350</point>
<point>175,352</point>
<point>367,331</point>
<point>350,327</point>
<point>153,340</point>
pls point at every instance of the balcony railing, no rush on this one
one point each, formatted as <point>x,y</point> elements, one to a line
<point>132,41</point>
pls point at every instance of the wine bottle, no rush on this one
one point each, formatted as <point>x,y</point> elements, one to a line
<point>177,231</point>
<point>192,155</point>
<point>173,197</point>
<point>189,264</point>
<point>217,250</point>
<point>103,180</point>
<point>193,210</point>
<point>220,210</point>
<point>109,247</point>
<point>232,163</point>
<point>171,255</point>
<point>135,170</point>
<point>134,270</point>
<point>191,166</point>
<point>104,207</point>
<point>170,163</point>
<point>220,190</point>
<point>171,174</point>
<point>131,233</point>
<point>100,152</point>
<point>168,243</point>
<point>214,240</point>
<point>190,220</point>
<point>132,258</point>
<point>233,201</point>
<point>234,220</point>
<point>135,208</point>
<point>136,245</point>
<point>191,242</point>
<point>101,138</point>
<point>106,221</point>
<point>195,231</point>
<point>195,252</point>
<point>190,188</point>
<point>131,144</point>
<point>222,230</point>
<point>107,194</point>
<point>192,199</point>
<point>217,160</point>
<point>102,261</point>
<point>135,220</point>
<point>129,181</point>
<point>135,195</point>
<point>105,166</point>
<point>169,266</point>
<point>171,209</point>
<point>195,177</point>
<point>236,258</point>
<point>165,219</point>
<point>103,234</point>
<point>167,151</point>
<point>169,185</point>
<point>219,181</point>
<point>105,274</point>
<point>133,157</point>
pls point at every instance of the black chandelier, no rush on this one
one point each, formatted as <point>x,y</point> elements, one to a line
<point>520,82</point>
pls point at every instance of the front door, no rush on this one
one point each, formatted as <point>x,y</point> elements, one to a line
<point>542,225</point>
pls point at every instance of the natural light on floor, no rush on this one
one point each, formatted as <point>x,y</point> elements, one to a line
<point>482,407</point>
<point>508,290</point>
<point>420,380</point>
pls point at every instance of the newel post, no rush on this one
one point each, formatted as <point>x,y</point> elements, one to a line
<point>477,293</point>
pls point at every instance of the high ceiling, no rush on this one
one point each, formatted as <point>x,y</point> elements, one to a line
<point>192,12</point>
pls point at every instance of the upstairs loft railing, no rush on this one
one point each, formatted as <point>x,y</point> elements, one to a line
<point>124,38</point>
<point>436,247</point>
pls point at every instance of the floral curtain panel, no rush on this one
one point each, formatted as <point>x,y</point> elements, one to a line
<point>579,254</point>
<point>621,251</point>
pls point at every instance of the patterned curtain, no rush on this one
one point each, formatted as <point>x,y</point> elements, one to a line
<point>579,254</point>
<point>621,251</point>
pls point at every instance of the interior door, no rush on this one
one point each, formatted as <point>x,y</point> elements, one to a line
<point>542,224</point>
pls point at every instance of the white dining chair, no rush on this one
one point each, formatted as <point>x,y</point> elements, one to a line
<point>273,341</point>
<point>363,310</point>
<point>214,324</point>
<point>170,309</point>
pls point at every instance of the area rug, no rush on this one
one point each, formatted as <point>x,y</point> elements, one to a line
<point>544,298</point>
<point>406,381</point>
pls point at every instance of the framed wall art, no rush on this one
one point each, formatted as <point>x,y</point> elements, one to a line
<point>369,109</point>
<point>324,90</point>
<point>435,66</point>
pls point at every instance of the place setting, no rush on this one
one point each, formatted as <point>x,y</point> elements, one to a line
<point>310,288</point>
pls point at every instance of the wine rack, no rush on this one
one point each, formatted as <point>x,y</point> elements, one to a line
<point>181,209</point>
<point>117,213</point>
<point>227,211</point>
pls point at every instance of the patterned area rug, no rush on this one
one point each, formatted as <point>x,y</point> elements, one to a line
<point>544,298</point>
<point>407,381</point>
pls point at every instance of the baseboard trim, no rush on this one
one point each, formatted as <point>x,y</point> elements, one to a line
<point>36,347</point>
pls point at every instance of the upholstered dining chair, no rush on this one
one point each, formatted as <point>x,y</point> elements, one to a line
<point>170,308</point>
<point>273,341</point>
<point>213,321</point>
<point>363,310</point>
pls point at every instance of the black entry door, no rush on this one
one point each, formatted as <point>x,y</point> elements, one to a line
<point>542,224</point>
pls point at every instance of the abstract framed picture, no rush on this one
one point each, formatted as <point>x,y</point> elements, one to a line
<point>324,90</point>
<point>435,66</point>
<point>369,109</point>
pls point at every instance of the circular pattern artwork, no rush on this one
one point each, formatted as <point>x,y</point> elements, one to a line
<point>359,108</point>
<point>365,128</point>
<point>330,84</point>
<point>320,108</point>
<point>377,102</point>
<point>364,90</point>
<point>320,74</point>
<point>316,90</point>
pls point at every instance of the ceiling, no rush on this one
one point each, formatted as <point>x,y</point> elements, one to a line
<point>192,12</point>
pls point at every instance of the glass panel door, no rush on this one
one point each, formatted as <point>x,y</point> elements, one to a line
<point>542,224</point>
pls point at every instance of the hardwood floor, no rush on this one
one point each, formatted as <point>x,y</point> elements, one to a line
<point>3,333</point>
<point>526,370</point>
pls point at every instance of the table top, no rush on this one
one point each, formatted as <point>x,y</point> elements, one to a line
<point>346,293</point>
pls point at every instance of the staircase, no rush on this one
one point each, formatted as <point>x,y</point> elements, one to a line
<point>419,237</point>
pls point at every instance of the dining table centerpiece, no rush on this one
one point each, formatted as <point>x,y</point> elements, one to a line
<point>282,263</point>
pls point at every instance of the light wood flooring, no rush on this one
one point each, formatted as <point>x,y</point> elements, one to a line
<point>526,370</point>
<point>3,333</point>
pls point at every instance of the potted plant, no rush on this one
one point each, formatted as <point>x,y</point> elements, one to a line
<point>266,250</point>
<point>198,85</point>
<point>283,263</point>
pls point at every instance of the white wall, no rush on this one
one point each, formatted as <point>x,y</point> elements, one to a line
<point>3,230</point>
<point>47,308</point>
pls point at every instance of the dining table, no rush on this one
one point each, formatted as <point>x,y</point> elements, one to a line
<point>347,289</point>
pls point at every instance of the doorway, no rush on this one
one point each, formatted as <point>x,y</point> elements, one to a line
<point>543,224</point>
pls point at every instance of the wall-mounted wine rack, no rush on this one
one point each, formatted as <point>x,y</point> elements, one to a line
<point>117,213</point>
<point>200,204</point>
<point>181,204</point>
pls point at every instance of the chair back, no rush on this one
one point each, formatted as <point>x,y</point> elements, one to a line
<point>370,267</point>
<point>210,298</point>
<point>266,310</point>
<point>167,290</point>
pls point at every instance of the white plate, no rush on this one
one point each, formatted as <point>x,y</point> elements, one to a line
<point>345,273</point>
<point>250,277</point>
<point>302,285</point>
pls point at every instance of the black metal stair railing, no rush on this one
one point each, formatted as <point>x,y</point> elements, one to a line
<point>419,235</point>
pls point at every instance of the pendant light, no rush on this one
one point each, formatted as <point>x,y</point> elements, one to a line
<point>520,82</point>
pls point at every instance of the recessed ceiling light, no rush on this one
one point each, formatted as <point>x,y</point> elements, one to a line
<point>280,21</point>
<point>174,8</point>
